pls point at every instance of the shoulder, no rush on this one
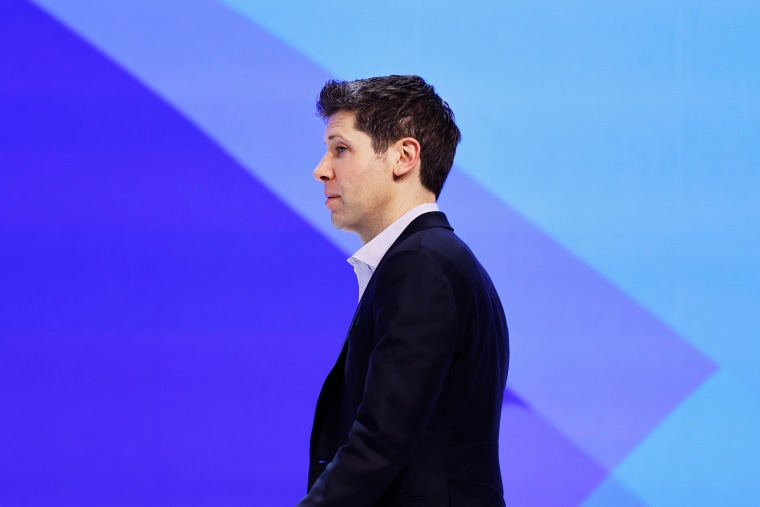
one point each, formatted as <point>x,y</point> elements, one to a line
<point>427,234</point>
<point>430,245</point>
<point>436,243</point>
<point>427,249</point>
<point>432,257</point>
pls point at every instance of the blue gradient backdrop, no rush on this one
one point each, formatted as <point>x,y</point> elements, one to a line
<point>172,292</point>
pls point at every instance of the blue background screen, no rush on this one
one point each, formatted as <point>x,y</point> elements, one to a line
<point>172,292</point>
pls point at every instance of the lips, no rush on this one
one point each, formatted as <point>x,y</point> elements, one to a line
<point>330,198</point>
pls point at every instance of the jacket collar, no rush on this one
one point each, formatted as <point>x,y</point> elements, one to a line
<point>424,221</point>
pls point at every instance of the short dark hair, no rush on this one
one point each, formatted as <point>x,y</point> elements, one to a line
<point>390,108</point>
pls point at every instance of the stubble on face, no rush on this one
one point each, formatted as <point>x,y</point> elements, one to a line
<point>356,179</point>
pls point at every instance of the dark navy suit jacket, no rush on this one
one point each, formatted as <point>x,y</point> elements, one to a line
<point>409,414</point>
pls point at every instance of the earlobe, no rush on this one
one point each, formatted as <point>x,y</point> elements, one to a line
<point>408,156</point>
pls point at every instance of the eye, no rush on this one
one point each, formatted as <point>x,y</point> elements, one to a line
<point>340,149</point>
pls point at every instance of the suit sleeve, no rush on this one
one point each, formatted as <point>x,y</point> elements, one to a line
<point>415,330</point>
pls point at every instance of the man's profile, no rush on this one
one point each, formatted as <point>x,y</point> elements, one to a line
<point>410,413</point>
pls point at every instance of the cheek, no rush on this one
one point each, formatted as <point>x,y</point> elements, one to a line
<point>353,180</point>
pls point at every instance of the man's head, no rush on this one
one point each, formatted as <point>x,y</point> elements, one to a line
<point>391,108</point>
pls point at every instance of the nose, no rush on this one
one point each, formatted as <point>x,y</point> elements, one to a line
<point>323,171</point>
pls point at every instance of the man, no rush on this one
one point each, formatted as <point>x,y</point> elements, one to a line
<point>410,413</point>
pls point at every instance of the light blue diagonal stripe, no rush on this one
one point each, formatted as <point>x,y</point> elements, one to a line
<point>704,454</point>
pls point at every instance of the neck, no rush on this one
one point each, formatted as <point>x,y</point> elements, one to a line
<point>393,214</point>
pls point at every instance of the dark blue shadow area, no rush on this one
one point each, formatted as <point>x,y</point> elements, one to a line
<point>164,319</point>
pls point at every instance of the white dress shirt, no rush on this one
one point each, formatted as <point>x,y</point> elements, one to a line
<point>366,259</point>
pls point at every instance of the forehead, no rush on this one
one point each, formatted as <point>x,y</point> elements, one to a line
<point>341,124</point>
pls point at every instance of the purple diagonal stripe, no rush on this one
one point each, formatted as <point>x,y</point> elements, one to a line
<point>590,360</point>
<point>541,467</point>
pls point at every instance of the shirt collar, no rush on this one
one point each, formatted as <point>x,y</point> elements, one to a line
<point>373,252</point>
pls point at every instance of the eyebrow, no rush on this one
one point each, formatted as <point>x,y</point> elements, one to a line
<point>333,136</point>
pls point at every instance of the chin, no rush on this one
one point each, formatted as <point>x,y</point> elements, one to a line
<point>338,223</point>
<point>342,225</point>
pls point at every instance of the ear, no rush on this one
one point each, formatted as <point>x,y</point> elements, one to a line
<point>408,151</point>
